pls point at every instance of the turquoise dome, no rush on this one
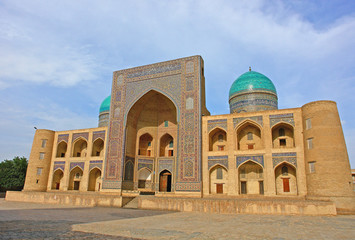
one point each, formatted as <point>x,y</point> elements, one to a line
<point>105,105</point>
<point>251,81</point>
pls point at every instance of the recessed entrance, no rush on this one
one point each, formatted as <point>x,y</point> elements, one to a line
<point>165,181</point>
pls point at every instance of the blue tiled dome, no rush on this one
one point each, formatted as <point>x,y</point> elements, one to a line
<point>105,105</point>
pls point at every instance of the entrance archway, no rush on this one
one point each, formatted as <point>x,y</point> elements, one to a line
<point>144,178</point>
<point>75,178</point>
<point>165,181</point>
<point>285,179</point>
<point>57,179</point>
<point>251,180</point>
<point>94,180</point>
<point>218,180</point>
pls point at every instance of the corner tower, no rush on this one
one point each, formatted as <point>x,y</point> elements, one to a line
<point>252,92</point>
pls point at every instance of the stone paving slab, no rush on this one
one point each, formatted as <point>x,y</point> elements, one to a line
<point>188,225</point>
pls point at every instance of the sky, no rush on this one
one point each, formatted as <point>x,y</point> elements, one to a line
<point>57,57</point>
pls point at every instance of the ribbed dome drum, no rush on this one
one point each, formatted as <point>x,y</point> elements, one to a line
<point>252,92</point>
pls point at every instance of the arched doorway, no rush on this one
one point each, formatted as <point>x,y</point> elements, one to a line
<point>75,178</point>
<point>251,179</point>
<point>57,179</point>
<point>165,181</point>
<point>151,116</point>
<point>144,178</point>
<point>61,149</point>
<point>94,180</point>
<point>218,180</point>
<point>285,179</point>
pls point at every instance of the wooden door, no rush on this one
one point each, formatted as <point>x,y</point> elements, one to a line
<point>286,184</point>
<point>76,185</point>
<point>57,185</point>
<point>163,183</point>
<point>219,188</point>
<point>243,187</point>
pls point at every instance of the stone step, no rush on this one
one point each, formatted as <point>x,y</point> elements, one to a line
<point>133,203</point>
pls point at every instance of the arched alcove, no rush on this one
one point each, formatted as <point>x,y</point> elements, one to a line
<point>218,180</point>
<point>166,146</point>
<point>249,136</point>
<point>218,140</point>
<point>61,149</point>
<point>283,136</point>
<point>251,178</point>
<point>57,179</point>
<point>146,145</point>
<point>75,178</point>
<point>80,148</point>
<point>285,179</point>
<point>94,180</point>
<point>144,178</point>
<point>98,147</point>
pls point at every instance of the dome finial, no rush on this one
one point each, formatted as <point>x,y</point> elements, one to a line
<point>249,69</point>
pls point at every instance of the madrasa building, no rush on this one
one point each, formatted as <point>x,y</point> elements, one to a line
<point>156,137</point>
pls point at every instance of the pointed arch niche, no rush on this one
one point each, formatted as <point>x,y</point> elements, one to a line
<point>94,179</point>
<point>75,178</point>
<point>249,136</point>
<point>166,146</point>
<point>218,140</point>
<point>61,149</point>
<point>98,147</point>
<point>57,179</point>
<point>218,180</point>
<point>285,179</point>
<point>283,136</point>
<point>251,178</point>
<point>80,148</point>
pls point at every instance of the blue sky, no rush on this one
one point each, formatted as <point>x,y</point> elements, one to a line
<point>57,57</point>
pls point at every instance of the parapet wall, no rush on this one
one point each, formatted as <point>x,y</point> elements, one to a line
<point>239,206</point>
<point>84,199</point>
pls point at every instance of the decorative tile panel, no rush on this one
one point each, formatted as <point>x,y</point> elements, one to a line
<point>77,164</point>
<point>257,119</point>
<point>98,134</point>
<point>289,157</point>
<point>221,123</point>
<point>288,118</point>
<point>166,164</point>
<point>83,135</point>
<point>97,163</point>
<point>214,160</point>
<point>256,158</point>
<point>63,137</point>
<point>59,164</point>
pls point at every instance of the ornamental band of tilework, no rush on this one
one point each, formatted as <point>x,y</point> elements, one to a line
<point>290,157</point>
<point>96,163</point>
<point>83,135</point>
<point>166,164</point>
<point>288,118</point>
<point>59,164</point>
<point>215,160</point>
<point>98,134</point>
<point>221,123</point>
<point>256,158</point>
<point>77,164</point>
<point>257,119</point>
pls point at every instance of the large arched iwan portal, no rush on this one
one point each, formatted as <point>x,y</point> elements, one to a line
<point>153,115</point>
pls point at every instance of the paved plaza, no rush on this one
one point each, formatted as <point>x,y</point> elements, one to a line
<point>45,221</point>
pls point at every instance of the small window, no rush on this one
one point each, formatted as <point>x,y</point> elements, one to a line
<point>77,175</point>
<point>284,171</point>
<point>41,155</point>
<point>250,146</point>
<point>220,138</point>
<point>221,148</point>
<point>312,167</point>
<point>171,144</point>
<point>44,141</point>
<point>308,124</point>
<point>281,132</point>
<point>39,171</point>
<point>166,123</point>
<point>219,173</point>
<point>310,143</point>
<point>97,153</point>
<point>62,155</point>
<point>250,136</point>
<point>37,181</point>
<point>149,144</point>
<point>78,154</point>
<point>282,142</point>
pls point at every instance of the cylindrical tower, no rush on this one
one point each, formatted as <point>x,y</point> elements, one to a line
<point>327,164</point>
<point>104,116</point>
<point>252,92</point>
<point>40,161</point>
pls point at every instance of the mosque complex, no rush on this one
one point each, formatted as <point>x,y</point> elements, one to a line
<point>156,142</point>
